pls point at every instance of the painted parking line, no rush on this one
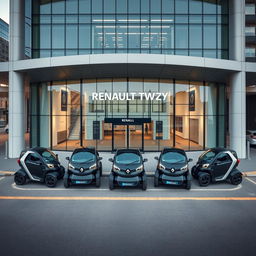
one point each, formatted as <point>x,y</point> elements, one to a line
<point>250,174</point>
<point>2,178</point>
<point>93,198</point>
<point>6,173</point>
<point>252,181</point>
<point>14,186</point>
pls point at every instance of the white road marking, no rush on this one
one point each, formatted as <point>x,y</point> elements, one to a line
<point>106,189</point>
<point>2,178</point>
<point>252,181</point>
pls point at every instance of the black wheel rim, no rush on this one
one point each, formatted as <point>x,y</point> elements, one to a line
<point>50,181</point>
<point>205,179</point>
<point>237,179</point>
<point>19,179</point>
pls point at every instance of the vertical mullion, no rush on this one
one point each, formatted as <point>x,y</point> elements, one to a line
<point>174,112</point>
<point>81,112</point>
<point>204,114</point>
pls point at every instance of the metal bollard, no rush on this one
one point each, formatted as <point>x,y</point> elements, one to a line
<point>6,150</point>
<point>248,150</point>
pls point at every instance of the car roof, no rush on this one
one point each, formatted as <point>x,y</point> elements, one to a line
<point>178,150</point>
<point>88,149</point>
<point>127,150</point>
<point>218,150</point>
<point>39,149</point>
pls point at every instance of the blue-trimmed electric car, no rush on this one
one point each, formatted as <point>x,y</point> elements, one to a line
<point>172,168</point>
<point>39,164</point>
<point>128,169</point>
<point>84,167</point>
<point>217,164</point>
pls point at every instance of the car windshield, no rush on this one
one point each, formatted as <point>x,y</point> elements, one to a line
<point>128,158</point>
<point>208,156</point>
<point>173,157</point>
<point>83,157</point>
<point>48,156</point>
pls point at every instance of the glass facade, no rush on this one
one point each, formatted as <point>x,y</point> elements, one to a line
<point>181,27</point>
<point>64,115</point>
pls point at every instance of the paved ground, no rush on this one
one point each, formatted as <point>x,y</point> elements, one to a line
<point>218,220</point>
<point>82,220</point>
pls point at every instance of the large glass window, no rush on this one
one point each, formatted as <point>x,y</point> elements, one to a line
<point>66,115</point>
<point>183,27</point>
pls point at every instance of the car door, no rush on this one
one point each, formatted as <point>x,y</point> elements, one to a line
<point>221,165</point>
<point>35,165</point>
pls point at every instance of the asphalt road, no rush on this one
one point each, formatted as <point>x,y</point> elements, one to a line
<point>218,220</point>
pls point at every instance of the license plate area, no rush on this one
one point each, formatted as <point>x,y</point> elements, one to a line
<point>80,182</point>
<point>168,182</point>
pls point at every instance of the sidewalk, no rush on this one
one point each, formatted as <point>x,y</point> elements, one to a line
<point>10,165</point>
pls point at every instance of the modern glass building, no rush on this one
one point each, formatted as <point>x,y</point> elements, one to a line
<point>194,50</point>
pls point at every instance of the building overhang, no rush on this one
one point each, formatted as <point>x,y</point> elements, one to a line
<point>129,65</point>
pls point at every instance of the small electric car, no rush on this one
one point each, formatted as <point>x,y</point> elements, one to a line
<point>128,169</point>
<point>84,167</point>
<point>217,164</point>
<point>172,168</point>
<point>39,164</point>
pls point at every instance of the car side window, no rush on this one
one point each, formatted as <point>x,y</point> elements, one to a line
<point>33,158</point>
<point>223,157</point>
<point>248,133</point>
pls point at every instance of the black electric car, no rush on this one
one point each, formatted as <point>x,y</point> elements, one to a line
<point>128,169</point>
<point>172,168</point>
<point>84,167</point>
<point>217,164</point>
<point>39,164</point>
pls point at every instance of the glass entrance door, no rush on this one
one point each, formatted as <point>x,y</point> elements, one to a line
<point>119,136</point>
<point>135,136</point>
<point>128,136</point>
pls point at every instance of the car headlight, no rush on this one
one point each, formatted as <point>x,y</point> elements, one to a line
<point>71,167</point>
<point>115,168</point>
<point>140,168</point>
<point>205,165</point>
<point>161,167</point>
<point>184,168</point>
<point>50,166</point>
<point>93,167</point>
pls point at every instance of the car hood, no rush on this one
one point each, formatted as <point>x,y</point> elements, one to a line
<point>173,165</point>
<point>82,165</point>
<point>128,166</point>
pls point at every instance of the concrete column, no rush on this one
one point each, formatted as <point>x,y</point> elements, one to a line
<point>237,30</point>
<point>237,114</point>
<point>16,80</point>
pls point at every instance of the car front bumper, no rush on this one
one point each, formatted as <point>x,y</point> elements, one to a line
<point>85,179</point>
<point>173,180</point>
<point>127,181</point>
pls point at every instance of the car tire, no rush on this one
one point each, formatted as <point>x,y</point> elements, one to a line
<point>156,179</point>
<point>20,179</point>
<point>51,180</point>
<point>101,170</point>
<point>111,181</point>
<point>236,179</point>
<point>144,182</point>
<point>61,173</point>
<point>97,179</point>
<point>188,185</point>
<point>193,170</point>
<point>204,179</point>
<point>66,183</point>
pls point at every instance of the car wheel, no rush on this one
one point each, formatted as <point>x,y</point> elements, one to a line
<point>188,184</point>
<point>100,170</point>
<point>111,181</point>
<point>204,179</point>
<point>97,176</point>
<point>156,179</point>
<point>61,173</point>
<point>193,172</point>
<point>50,180</point>
<point>144,182</point>
<point>66,183</point>
<point>236,179</point>
<point>20,179</point>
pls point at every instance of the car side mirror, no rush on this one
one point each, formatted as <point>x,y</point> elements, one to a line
<point>190,160</point>
<point>156,158</point>
<point>100,158</point>
<point>67,158</point>
<point>145,160</point>
<point>111,160</point>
